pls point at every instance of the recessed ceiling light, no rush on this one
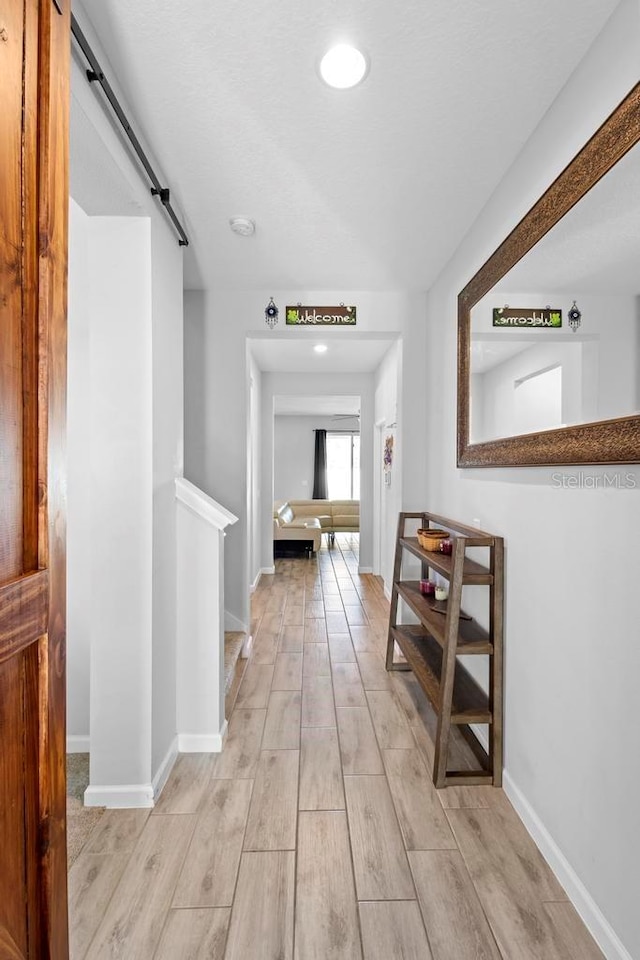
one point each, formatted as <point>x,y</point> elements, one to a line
<point>243,226</point>
<point>320,348</point>
<point>343,66</point>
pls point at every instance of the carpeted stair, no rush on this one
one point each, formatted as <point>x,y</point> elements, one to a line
<point>80,819</point>
<point>233,643</point>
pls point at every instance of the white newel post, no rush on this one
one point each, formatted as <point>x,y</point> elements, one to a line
<point>200,655</point>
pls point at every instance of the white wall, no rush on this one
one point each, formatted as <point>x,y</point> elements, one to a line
<point>254,469</point>
<point>387,496</point>
<point>121,528</point>
<point>216,414</point>
<point>201,423</point>
<point>294,452</point>
<point>572,652</point>
<point>125,447</point>
<point>637,357</point>
<point>126,329</point>
<point>79,495</point>
<point>200,661</point>
<point>168,463</point>
<point>496,410</point>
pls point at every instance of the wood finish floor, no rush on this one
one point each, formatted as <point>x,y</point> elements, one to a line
<point>317,833</point>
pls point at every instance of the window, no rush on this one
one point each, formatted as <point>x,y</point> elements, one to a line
<point>343,466</point>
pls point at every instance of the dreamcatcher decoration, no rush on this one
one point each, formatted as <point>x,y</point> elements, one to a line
<point>271,314</point>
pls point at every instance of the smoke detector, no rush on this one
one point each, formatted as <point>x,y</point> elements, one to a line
<point>243,226</point>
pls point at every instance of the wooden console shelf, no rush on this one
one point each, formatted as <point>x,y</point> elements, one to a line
<point>444,633</point>
<point>472,573</point>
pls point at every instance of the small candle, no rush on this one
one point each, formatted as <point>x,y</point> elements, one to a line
<point>427,587</point>
<point>441,593</point>
<point>446,546</point>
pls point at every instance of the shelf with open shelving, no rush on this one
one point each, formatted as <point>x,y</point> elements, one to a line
<point>444,633</point>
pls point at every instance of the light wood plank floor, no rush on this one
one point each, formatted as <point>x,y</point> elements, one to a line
<point>317,833</point>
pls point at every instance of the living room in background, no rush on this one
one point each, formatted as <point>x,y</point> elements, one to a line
<point>343,465</point>
<point>297,421</point>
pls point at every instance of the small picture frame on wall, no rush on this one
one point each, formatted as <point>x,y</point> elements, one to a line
<point>387,459</point>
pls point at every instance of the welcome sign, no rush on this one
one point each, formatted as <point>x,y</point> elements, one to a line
<point>321,316</point>
<point>519,317</point>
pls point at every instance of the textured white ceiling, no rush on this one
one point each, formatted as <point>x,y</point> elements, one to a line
<point>371,188</point>
<point>345,354</point>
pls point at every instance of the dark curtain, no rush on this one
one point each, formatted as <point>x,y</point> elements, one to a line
<point>320,466</point>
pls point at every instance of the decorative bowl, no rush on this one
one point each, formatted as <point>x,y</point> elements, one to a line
<point>431,539</point>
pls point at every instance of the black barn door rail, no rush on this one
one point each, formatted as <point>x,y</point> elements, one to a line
<point>95,74</point>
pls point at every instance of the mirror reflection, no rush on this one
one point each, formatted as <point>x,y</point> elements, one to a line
<point>529,375</point>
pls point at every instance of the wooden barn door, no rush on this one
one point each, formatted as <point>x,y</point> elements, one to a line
<point>34,94</point>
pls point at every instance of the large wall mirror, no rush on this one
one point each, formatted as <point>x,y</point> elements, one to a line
<point>538,388</point>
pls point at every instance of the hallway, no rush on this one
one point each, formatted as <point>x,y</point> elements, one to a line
<point>317,834</point>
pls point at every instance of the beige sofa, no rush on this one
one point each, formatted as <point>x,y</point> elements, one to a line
<point>307,520</point>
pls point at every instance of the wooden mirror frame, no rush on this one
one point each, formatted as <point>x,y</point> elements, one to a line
<point>604,441</point>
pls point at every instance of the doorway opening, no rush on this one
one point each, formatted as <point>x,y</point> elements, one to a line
<point>283,377</point>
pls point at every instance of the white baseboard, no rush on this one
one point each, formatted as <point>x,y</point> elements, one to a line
<point>387,593</point>
<point>202,742</point>
<point>246,647</point>
<point>599,927</point>
<point>263,570</point>
<point>231,622</point>
<point>365,569</point>
<point>127,795</point>
<point>254,585</point>
<point>78,744</point>
<point>165,768</point>
<point>593,918</point>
